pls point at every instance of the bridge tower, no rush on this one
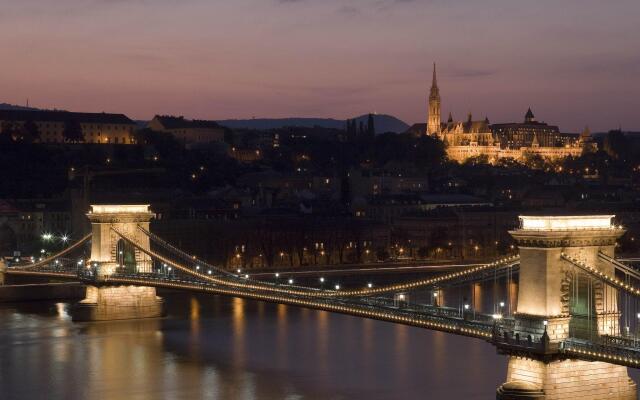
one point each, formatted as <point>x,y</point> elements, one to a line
<point>110,253</point>
<point>556,302</point>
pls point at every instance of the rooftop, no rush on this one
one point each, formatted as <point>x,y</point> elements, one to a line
<point>171,122</point>
<point>63,116</point>
<point>566,223</point>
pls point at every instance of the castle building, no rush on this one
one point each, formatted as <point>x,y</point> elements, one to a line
<point>516,135</point>
<point>188,131</point>
<point>50,125</point>
<point>519,141</point>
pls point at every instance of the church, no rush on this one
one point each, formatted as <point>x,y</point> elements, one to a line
<point>466,139</point>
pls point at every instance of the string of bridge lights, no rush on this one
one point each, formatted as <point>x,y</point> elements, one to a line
<point>612,280</point>
<point>313,292</point>
<point>344,309</point>
<point>600,356</point>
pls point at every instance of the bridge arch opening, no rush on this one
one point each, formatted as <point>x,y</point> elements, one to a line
<point>126,256</point>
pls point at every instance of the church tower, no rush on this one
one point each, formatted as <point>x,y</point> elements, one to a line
<point>433,113</point>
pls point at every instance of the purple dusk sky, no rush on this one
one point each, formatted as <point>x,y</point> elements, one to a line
<point>575,62</point>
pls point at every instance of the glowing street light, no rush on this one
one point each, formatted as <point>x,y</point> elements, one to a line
<point>290,281</point>
<point>466,306</point>
<point>337,287</point>
<point>64,238</point>
<point>369,285</point>
<point>277,275</point>
<point>321,280</point>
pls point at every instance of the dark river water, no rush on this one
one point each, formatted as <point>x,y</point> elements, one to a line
<point>211,347</point>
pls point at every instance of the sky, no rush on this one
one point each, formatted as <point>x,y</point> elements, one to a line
<point>574,62</point>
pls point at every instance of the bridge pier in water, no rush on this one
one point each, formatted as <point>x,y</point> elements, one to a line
<point>109,254</point>
<point>555,303</point>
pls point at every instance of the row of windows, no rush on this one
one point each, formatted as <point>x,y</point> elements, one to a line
<point>60,125</point>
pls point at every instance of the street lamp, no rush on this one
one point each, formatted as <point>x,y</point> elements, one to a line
<point>337,287</point>
<point>290,281</point>
<point>321,280</point>
<point>369,285</point>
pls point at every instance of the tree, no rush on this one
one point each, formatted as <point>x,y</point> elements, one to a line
<point>72,131</point>
<point>30,131</point>
<point>6,132</point>
<point>371,128</point>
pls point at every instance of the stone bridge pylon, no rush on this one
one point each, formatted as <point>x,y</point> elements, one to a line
<point>110,253</point>
<point>557,301</point>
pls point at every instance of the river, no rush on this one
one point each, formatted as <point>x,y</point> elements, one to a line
<point>212,347</point>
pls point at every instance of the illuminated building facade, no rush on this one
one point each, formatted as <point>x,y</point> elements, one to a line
<point>94,127</point>
<point>519,141</point>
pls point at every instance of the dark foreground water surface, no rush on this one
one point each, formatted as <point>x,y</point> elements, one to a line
<point>213,347</point>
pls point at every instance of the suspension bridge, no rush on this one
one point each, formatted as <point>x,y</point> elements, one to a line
<point>565,310</point>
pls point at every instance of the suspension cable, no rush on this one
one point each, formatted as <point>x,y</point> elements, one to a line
<point>182,253</point>
<point>313,292</point>
<point>57,255</point>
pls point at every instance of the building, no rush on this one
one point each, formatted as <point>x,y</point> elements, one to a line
<point>23,222</point>
<point>519,141</point>
<point>50,126</point>
<point>515,135</point>
<point>188,131</point>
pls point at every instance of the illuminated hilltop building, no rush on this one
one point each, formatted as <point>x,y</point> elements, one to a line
<point>519,141</point>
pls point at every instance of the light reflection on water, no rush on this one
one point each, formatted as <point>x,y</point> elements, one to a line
<point>224,348</point>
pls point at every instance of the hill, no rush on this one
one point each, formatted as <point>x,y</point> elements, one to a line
<point>383,123</point>
<point>6,106</point>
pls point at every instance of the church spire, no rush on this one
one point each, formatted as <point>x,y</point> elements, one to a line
<point>435,91</point>
<point>434,82</point>
<point>433,110</point>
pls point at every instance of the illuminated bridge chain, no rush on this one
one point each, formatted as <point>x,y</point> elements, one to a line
<point>252,284</point>
<point>622,284</point>
<point>46,261</point>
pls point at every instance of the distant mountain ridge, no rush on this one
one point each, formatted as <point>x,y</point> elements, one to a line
<point>383,123</point>
<point>7,106</point>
